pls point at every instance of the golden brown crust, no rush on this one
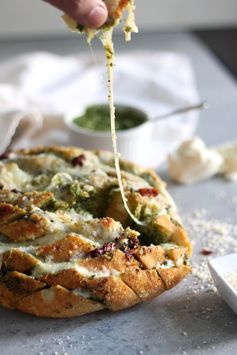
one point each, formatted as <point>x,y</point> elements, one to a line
<point>9,213</point>
<point>180,237</point>
<point>145,283</point>
<point>113,291</point>
<point>29,227</point>
<point>8,298</point>
<point>150,256</point>
<point>116,209</point>
<point>55,264</point>
<point>115,9</point>
<point>18,260</point>
<point>21,283</point>
<point>57,302</point>
<point>173,232</point>
<point>116,260</point>
<point>70,279</point>
<point>173,276</point>
<point>66,248</point>
<point>15,286</point>
<point>36,198</point>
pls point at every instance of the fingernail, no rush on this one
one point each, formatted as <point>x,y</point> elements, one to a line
<point>97,16</point>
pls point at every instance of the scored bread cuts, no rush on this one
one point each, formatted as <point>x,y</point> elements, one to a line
<point>68,246</point>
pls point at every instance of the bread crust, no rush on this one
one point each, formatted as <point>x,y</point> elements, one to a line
<point>58,259</point>
<point>57,302</point>
<point>26,228</point>
<point>115,9</point>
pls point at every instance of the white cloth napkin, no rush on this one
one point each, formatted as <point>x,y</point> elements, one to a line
<point>37,90</point>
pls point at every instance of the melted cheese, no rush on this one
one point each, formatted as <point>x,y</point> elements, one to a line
<point>193,162</point>
<point>128,28</point>
<point>106,39</point>
<point>130,25</point>
<point>12,177</point>
<point>82,293</point>
<point>43,268</point>
<point>105,35</point>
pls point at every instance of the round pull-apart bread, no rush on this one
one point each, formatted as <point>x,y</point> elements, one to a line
<point>67,245</point>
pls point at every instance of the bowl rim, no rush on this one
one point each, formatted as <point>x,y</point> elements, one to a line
<point>71,115</point>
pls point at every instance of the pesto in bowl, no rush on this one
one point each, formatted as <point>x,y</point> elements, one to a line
<point>97,118</point>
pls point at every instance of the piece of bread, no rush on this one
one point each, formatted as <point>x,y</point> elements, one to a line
<point>68,246</point>
<point>115,9</point>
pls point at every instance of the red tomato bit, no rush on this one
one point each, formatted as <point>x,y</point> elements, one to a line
<point>206,251</point>
<point>79,160</point>
<point>150,192</point>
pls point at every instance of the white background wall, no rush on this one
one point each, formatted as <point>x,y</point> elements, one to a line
<point>34,17</point>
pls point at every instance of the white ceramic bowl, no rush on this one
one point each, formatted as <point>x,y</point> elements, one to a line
<point>133,144</point>
<point>219,268</point>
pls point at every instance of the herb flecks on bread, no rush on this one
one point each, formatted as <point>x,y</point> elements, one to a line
<point>68,246</point>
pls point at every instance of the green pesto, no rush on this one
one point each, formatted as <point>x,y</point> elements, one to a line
<point>152,236</point>
<point>97,118</point>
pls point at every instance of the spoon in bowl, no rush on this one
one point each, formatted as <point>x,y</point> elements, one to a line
<point>199,106</point>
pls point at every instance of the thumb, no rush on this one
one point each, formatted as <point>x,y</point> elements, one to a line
<point>89,13</point>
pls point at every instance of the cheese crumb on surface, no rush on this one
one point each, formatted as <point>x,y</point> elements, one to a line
<point>229,153</point>
<point>218,236</point>
<point>193,161</point>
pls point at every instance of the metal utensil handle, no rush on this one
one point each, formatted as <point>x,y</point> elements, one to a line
<point>202,105</point>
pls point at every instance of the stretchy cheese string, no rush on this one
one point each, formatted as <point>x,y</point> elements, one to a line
<point>130,25</point>
<point>107,42</point>
<point>105,36</point>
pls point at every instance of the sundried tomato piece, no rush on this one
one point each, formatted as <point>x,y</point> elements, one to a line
<point>4,155</point>
<point>15,191</point>
<point>129,245</point>
<point>79,160</point>
<point>107,247</point>
<point>150,192</point>
<point>206,251</point>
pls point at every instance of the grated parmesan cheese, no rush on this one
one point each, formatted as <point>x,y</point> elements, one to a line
<point>216,235</point>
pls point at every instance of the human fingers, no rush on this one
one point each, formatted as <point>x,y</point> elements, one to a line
<point>89,13</point>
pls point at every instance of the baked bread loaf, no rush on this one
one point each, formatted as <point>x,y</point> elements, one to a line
<point>67,245</point>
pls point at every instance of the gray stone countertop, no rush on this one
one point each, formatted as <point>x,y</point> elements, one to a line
<point>180,321</point>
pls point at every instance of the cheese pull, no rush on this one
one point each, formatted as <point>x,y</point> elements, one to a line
<point>116,8</point>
